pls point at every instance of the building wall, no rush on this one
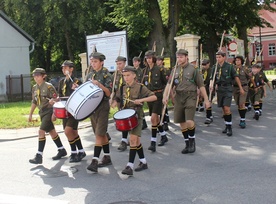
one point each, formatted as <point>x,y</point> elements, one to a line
<point>14,55</point>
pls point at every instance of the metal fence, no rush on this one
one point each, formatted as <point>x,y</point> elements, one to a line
<point>19,87</point>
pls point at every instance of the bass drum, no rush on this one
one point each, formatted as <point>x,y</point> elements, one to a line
<point>84,100</point>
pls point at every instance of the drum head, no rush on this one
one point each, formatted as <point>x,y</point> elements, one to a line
<point>125,113</point>
<point>59,104</point>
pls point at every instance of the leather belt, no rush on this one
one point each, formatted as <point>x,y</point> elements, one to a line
<point>158,91</point>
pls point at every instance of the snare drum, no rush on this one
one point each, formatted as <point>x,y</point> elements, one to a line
<point>126,119</point>
<point>84,100</point>
<point>60,111</point>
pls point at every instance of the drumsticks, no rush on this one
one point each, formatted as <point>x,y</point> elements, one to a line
<point>67,73</point>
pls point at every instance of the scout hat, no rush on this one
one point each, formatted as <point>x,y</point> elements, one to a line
<point>97,55</point>
<point>159,57</point>
<point>129,69</point>
<point>136,59</point>
<point>120,58</point>
<point>68,63</point>
<point>182,52</point>
<point>220,52</point>
<point>149,53</point>
<point>205,61</point>
<point>39,71</point>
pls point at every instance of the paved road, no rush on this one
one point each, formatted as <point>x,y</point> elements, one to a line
<point>237,169</point>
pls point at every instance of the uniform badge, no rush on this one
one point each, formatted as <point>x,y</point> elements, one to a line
<point>176,81</point>
<point>146,83</point>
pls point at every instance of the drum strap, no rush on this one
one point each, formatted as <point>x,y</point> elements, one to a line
<point>124,102</point>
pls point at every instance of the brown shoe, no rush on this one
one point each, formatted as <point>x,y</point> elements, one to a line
<point>106,160</point>
<point>93,166</point>
<point>128,171</point>
<point>123,146</point>
<point>141,167</point>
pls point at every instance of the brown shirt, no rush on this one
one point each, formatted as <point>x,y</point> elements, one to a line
<point>187,78</point>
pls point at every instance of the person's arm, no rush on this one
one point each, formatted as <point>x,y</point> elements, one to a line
<point>33,106</point>
<point>237,79</point>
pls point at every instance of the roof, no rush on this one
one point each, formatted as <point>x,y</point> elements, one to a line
<point>270,17</point>
<point>16,27</point>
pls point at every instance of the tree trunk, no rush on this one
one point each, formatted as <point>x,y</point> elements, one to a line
<point>157,33</point>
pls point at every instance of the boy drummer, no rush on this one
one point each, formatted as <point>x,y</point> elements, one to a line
<point>132,95</point>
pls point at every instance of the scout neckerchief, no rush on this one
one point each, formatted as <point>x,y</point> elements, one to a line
<point>149,76</point>
<point>64,87</point>
<point>205,75</point>
<point>127,97</point>
<point>38,96</point>
<point>181,74</point>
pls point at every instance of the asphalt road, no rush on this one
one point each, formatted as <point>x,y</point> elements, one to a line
<point>237,169</point>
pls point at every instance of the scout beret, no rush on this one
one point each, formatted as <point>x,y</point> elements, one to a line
<point>97,55</point>
<point>39,71</point>
<point>120,58</point>
<point>182,52</point>
<point>221,53</point>
<point>129,69</point>
<point>159,57</point>
<point>205,61</point>
<point>150,53</point>
<point>136,59</point>
<point>68,63</point>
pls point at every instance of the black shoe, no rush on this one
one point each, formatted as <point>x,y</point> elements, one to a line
<point>249,108</point>
<point>163,140</point>
<point>185,150</point>
<point>128,171</point>
<point>208,121</point>
<point>225,130</point>
<point>37,159</point>
<point>61,153</point>
<point>74,158</point>
<point>166,126</point>
<point>93,166</point>
<point>256,116</point>
<point>144,124</point>
<point>81,155</point>
<point>141,167</point>
<point>152,146</point>
<point>106,160</point>
<point>192,147</point>
<point>229,131</point>
<point>122,147</point>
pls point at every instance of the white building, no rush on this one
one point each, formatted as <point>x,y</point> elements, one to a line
<point>15,48</point>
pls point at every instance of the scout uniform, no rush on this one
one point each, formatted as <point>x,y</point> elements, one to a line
<point>223,79</point>
<point>155,79</point>
<point>186,81</point>
<point>99,117</point>
<point>139,76</point>
<point>65,90</point>
<point>244,76</point>
<point>41,94</point>
<point>206,73</point>
<point>133,92</point>
<point>119,82</point>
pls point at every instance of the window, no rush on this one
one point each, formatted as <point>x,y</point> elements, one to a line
<point>258,49</point>
<point>271,49</point>
<point>272,65</point>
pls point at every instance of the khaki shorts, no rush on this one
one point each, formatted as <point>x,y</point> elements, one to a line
<point>70,122</point>
<point>240,99</point>
<point>46,120</point>
<point>254,97</point>
<point>138,130</point>
<point>99,118</point>
<point>185,106</point>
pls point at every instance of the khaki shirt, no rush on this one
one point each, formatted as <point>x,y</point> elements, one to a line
<point>136,91</point>
<point>243,74</point>
<point>119,81</point>
<point>139,74</point>
<point>103,76</point>
<point>155,78</point>
<point>65,86</point>
<point>187,78</point>
<point>41,95</point>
